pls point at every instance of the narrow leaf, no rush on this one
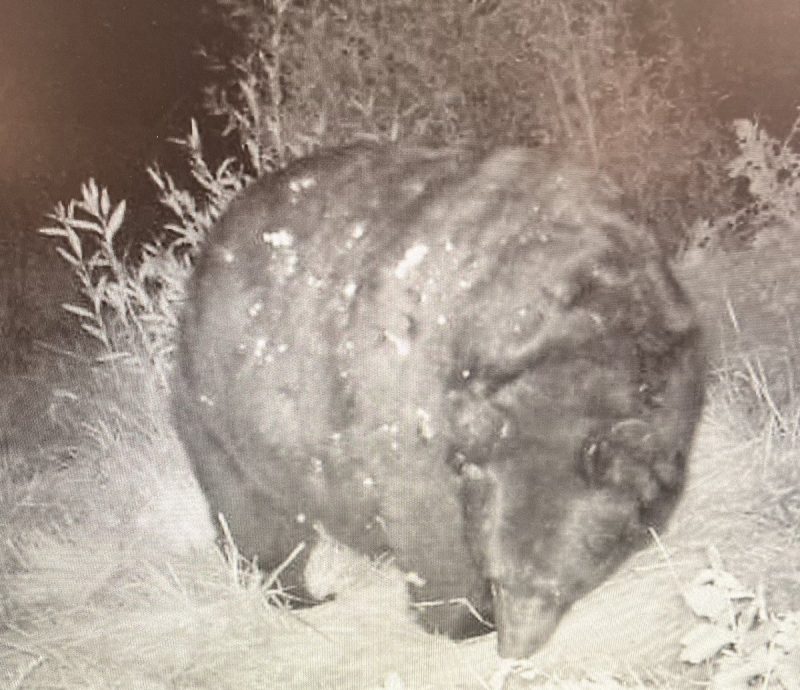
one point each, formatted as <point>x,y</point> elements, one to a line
<point>105,202</point>
<point>53,232</point>
<point>89,225</point>
<point>155,175</point>
<point>115,222</point>
<point>78,311</point>
<point>90,196</point>
<point>69,258</point>
<point>74,243</point>
<point>112,357</point>
<point>95,332</point>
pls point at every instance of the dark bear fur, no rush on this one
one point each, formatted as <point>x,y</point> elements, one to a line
<point>474,363</point>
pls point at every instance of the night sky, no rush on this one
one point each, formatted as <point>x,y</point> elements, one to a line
<point>95,87</point>
<point>94,83</point>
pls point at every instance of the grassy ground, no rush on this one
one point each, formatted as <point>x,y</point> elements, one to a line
<point>109,576</point>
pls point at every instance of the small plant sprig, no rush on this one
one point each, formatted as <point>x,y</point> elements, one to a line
<point>771,168</point>
<point>572,73</point>
<point>131,306</point>
<point>89,226</point>
<point>737,634</point>
<point>194,217</point>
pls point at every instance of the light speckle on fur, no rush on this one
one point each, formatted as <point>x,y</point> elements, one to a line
<point>413,257</point>
<point>260,348</point>
<point>314,282</point>
<point>281,238</point>
<point>425,426</point>
<point>299,184</point>
<point>349,290</point>
<point>401,345</point>
<point>255,309</point>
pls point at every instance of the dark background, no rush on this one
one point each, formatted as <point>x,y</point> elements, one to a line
<point>96,87</point>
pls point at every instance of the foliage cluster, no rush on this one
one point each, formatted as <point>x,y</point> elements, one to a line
<point>746,644</point>
<point>607,80</point>
<point>766,171</point>
<point>130,304</point>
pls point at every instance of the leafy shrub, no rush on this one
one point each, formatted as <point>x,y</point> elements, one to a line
<point>130,305</point>
<point>607,80</point>
<point>772,170</point>
<point>767,171</point>
<point>737,636</point>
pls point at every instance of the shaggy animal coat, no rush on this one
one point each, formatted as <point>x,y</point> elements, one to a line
<point>473,363</point>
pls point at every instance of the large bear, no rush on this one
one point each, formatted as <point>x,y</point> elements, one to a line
<point>471,362</point>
